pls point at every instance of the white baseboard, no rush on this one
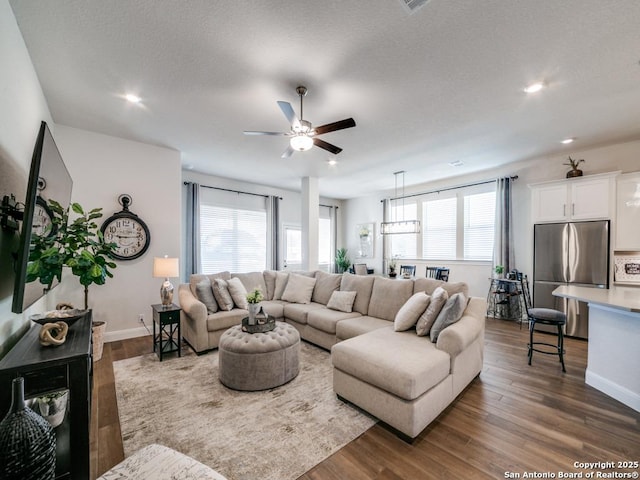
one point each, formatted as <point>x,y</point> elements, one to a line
<point>620,393</point>
<point>124,334</point>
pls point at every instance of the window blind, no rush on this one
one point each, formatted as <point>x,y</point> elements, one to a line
<point>439,229</point>
<point>233,232</point>
<point>479,218</point>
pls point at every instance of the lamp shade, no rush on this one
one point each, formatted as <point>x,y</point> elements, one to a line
<point>164,267</point>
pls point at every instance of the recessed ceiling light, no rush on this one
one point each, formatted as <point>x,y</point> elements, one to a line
<point>130,97</point>
<point>456,163</point>
<point>332,161</point>
<point>566,141</point>
<point>534,87</point>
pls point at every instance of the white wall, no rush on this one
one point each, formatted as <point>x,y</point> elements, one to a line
<point>102,168</point>
<point>290,205</point>
<point>22,108</point>
<point>623,156</point>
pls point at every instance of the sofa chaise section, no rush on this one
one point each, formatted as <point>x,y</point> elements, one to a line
<point>406,380</point>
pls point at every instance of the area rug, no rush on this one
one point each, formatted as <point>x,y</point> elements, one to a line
<point>275,434</point>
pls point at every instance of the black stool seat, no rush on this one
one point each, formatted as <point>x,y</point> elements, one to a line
<point>547,316</point>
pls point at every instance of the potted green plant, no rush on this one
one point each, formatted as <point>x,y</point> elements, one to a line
<point>498,270</point>
<point>342,260</point>
<point>575,171</point>
<point>392,267</point>
<point>78,245</point>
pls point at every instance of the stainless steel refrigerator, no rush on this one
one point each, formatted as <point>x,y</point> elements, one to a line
<point>575,253</point>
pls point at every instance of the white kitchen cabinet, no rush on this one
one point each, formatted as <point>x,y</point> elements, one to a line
<point>583,198</point>
<point>549,202</point>
<point>628,212</point>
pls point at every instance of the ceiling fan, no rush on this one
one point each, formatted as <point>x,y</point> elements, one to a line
<point>302,134</point>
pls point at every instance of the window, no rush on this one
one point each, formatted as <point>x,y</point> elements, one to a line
<point>293,243</point>
<point>479,219</point>
<point>458,227</point>
<point>404,245</point>
<point>233,232</point>
<point>439,228</point>
<point>232,239</point>
<point>292,247</point>
<point>324,244</point>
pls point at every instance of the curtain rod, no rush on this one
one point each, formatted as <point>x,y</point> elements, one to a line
<point>329,206</point>
<point>233,191</point>
<point>512,177</point>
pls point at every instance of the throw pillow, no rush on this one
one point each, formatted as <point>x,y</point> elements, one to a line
<point>410,312</point>
<point>299,288</point>
<point>238,292</point>
<point>281,283</point>
<point>450,314</point>
<point>204,293</point>
<point>221,292</point>
<point>425,322</point>
<point>342,301</point>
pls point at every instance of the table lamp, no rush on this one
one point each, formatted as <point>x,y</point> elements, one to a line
<point>166,267</point>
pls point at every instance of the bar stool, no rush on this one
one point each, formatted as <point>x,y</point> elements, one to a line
<point>547,316</point>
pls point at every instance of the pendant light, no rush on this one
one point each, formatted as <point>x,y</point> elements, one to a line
<point>399,226</point>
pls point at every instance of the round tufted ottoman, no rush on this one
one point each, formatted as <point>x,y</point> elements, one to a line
<point>258,361</point>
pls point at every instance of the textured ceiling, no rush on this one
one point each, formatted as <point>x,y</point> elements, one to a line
<point>441,85</point>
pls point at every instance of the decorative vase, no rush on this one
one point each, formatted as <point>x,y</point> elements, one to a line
<point>27,441</point>
<point>253,310</point>
<point>574,173</point>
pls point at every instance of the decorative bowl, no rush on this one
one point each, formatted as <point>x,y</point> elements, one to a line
<point>68,316</point>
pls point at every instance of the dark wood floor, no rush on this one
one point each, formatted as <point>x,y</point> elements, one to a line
<point>512,418</point>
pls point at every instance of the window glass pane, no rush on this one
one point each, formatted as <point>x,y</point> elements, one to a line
<point>293,245</point>
<point>479,218</point>
<point>439,229</point>
<point>404,245</point>
<point>232,239</point>
<point>324,244</point>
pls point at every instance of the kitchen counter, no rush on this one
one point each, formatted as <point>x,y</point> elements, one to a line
<point>623,298</point>
<point>613,358</point>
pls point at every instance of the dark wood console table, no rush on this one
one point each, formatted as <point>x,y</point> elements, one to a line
<point>54,369</point>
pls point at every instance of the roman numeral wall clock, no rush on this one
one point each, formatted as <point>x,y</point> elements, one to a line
<point>127,231</point>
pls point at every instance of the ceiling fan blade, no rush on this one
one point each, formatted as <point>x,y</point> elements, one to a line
<point>279,134</point>
<point>332,127</point>
<point>326,146</point>
<point>288,152</point>
<point>287,109</point>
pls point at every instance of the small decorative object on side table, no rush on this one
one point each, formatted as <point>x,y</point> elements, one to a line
<point>168,337</point>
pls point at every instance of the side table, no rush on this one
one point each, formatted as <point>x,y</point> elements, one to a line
<point>168,337</point>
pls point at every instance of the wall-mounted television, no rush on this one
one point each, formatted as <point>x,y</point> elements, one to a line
<point>49,179</point>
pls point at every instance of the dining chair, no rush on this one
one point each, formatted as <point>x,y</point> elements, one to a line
<point>408,270</point>
<point>439,273</point>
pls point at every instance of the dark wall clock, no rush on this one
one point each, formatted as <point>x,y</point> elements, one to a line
<point>127,231</point>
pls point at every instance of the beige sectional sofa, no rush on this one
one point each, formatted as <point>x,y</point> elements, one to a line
<point>403,379</point>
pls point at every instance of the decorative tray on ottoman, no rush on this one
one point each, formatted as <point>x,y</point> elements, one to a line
<point>261,326</point>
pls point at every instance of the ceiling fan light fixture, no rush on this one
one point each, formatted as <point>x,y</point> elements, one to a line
<point>301,143</point>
